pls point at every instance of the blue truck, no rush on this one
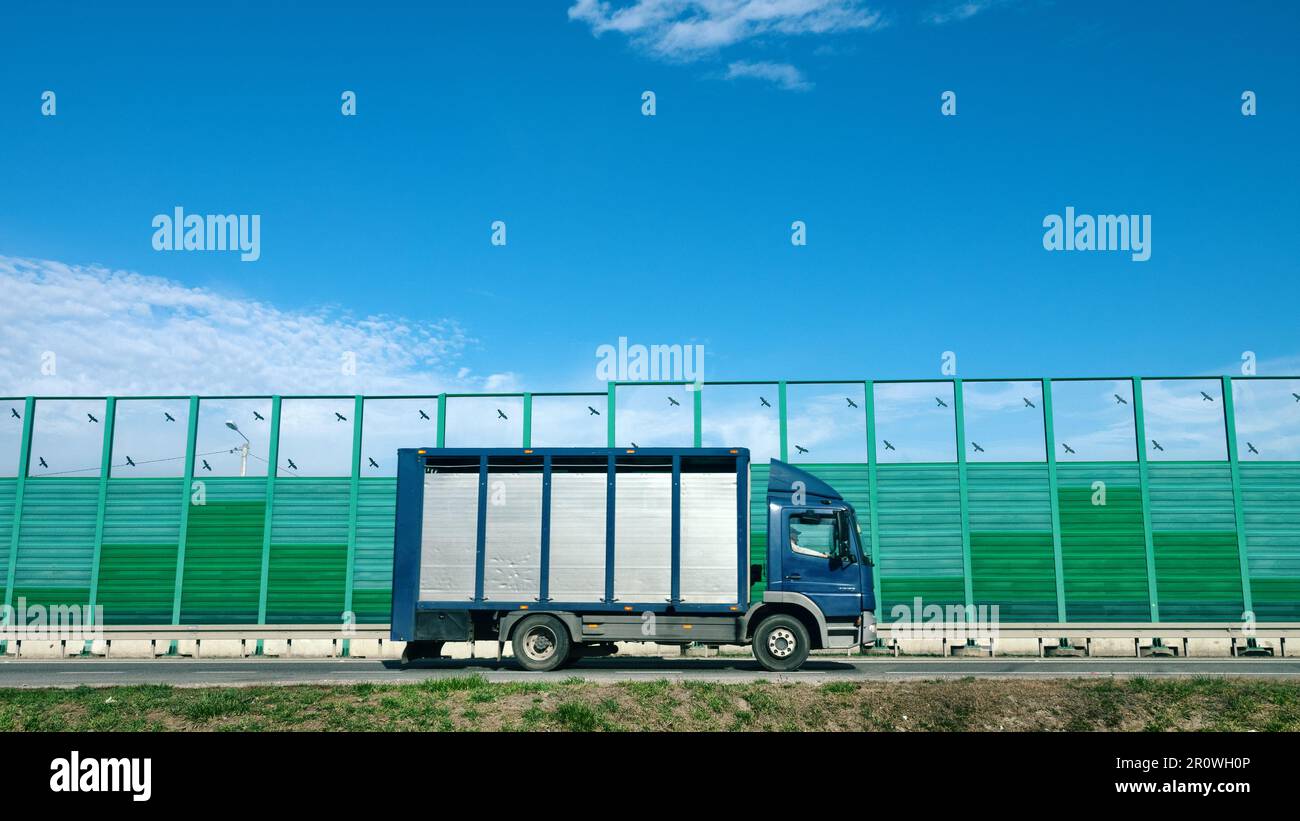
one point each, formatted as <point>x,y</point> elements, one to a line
<point>565,552</point>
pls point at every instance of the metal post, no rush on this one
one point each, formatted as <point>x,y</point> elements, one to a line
<point>272,476</point>
<point>1058,559</point>
<point>105,469</point>
<point>24,457</point>
<point>610,441</point>
<point>959,414</point>
<point>874,516</point>
<point>1243,555</point>
<point>528,420</point>
<point>1139,425</point>
<point>442,420</point>
<point>354,493</point>
<point>780,404</point>
<point>187,489</point>
<point>698,402</point>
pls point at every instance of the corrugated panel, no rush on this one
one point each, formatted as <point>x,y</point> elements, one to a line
<point>919,520</point>
<point>57,541</point>
<point>758,476</point>
<point>1194,536</point>
<point>1270,499</point>
<point>1013,564</point>
<point>372,573</point>
<point>223,553</point>
<point>309,551</point>
<point>137,562</point>
<point>8,492</point>
<point>1103,547</point>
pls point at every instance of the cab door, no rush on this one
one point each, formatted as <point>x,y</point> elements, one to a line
<point>817,560</point>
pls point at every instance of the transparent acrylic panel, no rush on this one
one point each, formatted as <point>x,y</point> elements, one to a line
<point>149,437</point>
<point>389,424</point>
<point>11,436</point>
<point>1268,419</point>
<point>826,423</point>
<point>67,437</point>
<point>654,416</point>
<point>1004,421</point>
<point>1093,420</point>
<point>1184,419</point>
<point>569,421</point>
<point>744,416</point>
<point>915,422</point>
<point>315,437</point>
<point>219,450</point>
<point>485,422</point>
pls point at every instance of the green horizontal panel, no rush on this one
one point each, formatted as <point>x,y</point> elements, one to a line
<point>309,548</point>
<point>56,544</point>
<point>223,553</point>
<point>8,494</point>
<point>919,520</point>
<point>1194,536</point>
<point>1012,560</point>
<point>137,563</point>
<point>372,575</point>
<point>758,476</point>
<point>1270,501</point>
<point>1103,546</point>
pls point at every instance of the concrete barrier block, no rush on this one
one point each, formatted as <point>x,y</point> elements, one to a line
<point>1207,648</point>
<point>216,648</point>
<point>374,649</point>
<point>1114,647</point>
<point>44,649</point>
<point>313,648</point>
<point>134,649</point>
<point>1015,647</point>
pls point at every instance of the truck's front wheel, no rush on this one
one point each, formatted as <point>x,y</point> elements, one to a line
<point>541,643</point>
<point>781,643</point>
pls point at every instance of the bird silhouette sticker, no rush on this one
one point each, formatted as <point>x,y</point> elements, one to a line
<point>977,447</point>
<point>1156,445</point>
<point>170,418</point>
<point>292,466</point>
<point>91,417</point>
<point>373,463</point>
<point>801,448</point>
<point>592,411</point>
<point>1068,449</point>
<point>423,415</point>
<point>942,403</point>
<point>635,445</point>
<point>501,415</point>
<point>852,404</point>
<point>763,401</point>
<point>1206,397</point>
<point>1028,404</point>
<point>340,417</point>
<point>1120,399</point>
<point>130,461</point>
<point>674,402</point>
<point>41,459</point>
<point>888,446</point>
<point>259,417</point>
<point>1252,448</point>
<point>14,413</point>
<point>206,466</point>
<point>1297,396</point>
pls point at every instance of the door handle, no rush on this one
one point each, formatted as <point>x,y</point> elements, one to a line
<point>793,577</point>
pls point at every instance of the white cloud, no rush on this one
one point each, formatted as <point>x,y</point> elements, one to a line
<point>961,11</point>
<point>687,30</point>
<point>782,74</point>
<point>120,332</point>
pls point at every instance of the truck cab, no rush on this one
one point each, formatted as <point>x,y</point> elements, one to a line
<point>818,568</point>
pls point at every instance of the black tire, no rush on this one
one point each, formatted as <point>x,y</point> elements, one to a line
<point>781,643</point>
<point>541,643</point>
<point>417,650</point>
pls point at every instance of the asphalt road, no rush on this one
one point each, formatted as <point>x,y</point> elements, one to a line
<point>236,672</point>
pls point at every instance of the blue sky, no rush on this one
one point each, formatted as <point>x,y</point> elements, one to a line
<point>924,232</point>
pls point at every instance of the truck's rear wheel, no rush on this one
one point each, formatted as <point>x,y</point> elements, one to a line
<point>541,643</point>
<point>781,643</point>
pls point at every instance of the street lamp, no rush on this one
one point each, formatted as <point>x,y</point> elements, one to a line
<point>243,449</point>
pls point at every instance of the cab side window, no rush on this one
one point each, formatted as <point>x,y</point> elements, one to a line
<point>813,535</point>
